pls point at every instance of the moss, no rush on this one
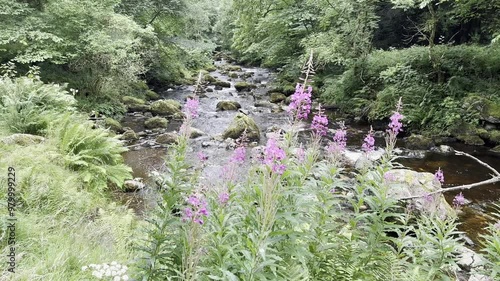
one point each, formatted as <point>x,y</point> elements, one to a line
<point>113,125</point>
<point>288,89</point>
<point>129,100</point>
<point>151,95</point>
<point>240,124</point>
<point>129,135</point>
<point>471,139</point>
<point>166,107</point>
<point>483,133</point>
<point>156,122</point>
<point>418,142</point>
<point>495,136</point>
<point>233,68</point>
<point>242,86</point>
<point>211,68</point>
<point>277,97</point>
<point>233,75</point>
<point>209,78</point>
<point>228,105</point>
<point>223,84</point>
<point>496,149</point>
<point>493,109</point>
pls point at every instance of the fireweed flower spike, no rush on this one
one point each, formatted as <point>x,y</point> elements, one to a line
<point>273,156</point>
<point>300,105</point>
<point>396,126</point>
<point>439,175</point>
<point>319,123</point>
<point>339,140</point>
<point>369,142</point>
<point>192,106</point>
<point>459,200</point>
<point>196,210</point>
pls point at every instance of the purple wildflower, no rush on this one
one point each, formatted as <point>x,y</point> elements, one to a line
<point>332,190</point>
<point>369,142</point>
<point>223,198</point>
<point>273,155</point>
<point>196,211</point>
<point>193,200</point>
<point>439,175</point>
<point>300,105</point>
<point>238,155</point>
<point>300,153</point>
<point>429,198</point>
<point>389,177</point>
<point>192,106</point>
<point>396,126</point>
<point>340,138</point>
<point>188,214</point>
<point>459,200</point>
<point>202,156</point>
<point>320,123</point>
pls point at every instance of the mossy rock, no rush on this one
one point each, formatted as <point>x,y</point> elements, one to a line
<point>288,90</point>
<point>22,139</point>
<point>222,84</point>
<point>152,95</point>
<point>139,108</point>
<point>233,75</point>
<point>210,68</point>
<point>495,136</point>
<point>113,125</point>
<point>129,100</point>
<point>471,139</point>
<point>483,133</point>
<point>247,75</point>
<point>129,135</point>
<point>277,97</point>
<point>232,68</point>
<point>240,123</point>
<point>209,78</point>
<point>166,107</point>
<point>244,86</point>
<point>496,149</point>
<point>418,142</point>
<point>156,122</point>
<point>195,133</point>
<point>228,105</point>
<point>167,138</point>
<point>492,112</point>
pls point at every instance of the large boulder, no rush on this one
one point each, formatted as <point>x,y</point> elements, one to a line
<point>22,139</point>
<point>156,122</point>
<point>240,123</point>
<point>406,183</point>
<point>166,107</point>
<point>227,105</point>
<point>221,84</point>
<point>471,139</point>
<point>418,142</point>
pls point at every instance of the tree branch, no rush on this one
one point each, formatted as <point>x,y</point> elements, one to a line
<point>495,178</point>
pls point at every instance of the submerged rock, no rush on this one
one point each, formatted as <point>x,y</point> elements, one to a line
<point>156,122</point>
<point>22,139</point>
<point>228,105</point>
<point>240,123</point>
<point>166,107</point>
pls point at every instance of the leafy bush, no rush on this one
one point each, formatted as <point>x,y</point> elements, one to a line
<point>92,152</point>
<point>28,105</point>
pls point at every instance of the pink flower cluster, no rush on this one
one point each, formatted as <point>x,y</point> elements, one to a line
<point>273,155</point>
<point>396,126</point>
<point>369,142</point>
<point>339,140</point>
<point>223,198</point>
<point>319,123</point>
<point>439,175</point>
<point>238,155</point>
<point>196,211</point>
<point>192,106</point>
<point>459,200</point>
<point>300,105</point>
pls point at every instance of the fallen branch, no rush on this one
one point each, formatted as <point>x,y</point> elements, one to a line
<point>495,178</point>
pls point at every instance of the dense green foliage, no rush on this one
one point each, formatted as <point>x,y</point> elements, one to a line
<point>439,55</point>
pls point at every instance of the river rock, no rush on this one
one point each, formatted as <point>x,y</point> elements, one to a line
<point>232,68</point>
<point>209,90</point>
<point>167,138</point>
<point>359,159</point>
<point>244,86</point>
<point>479,277</point>
<point>113,125</point>
<point>195,133</point>
<point>166,107</point>
<point>265,104</point>
<point>129,135</point>
<point>443,149</point>
<point>496,149</point>
<point>139,108</point>
<point>209,78</point>
<point>227,105</point>
<point>218,88</point>
<point>240,123</point>
<point>152,95</point>
<point>129,100</point>
<point>471,139</point>
<point>277,97</point>
<point>133,185</point>
<point>222,84</point>
<point>406,183</point>
<point>156,122</point>
<point>468,259</point>
<point>233,75</point>
<point>22,139</point>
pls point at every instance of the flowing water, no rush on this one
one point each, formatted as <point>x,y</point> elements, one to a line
<point>144,159</point>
